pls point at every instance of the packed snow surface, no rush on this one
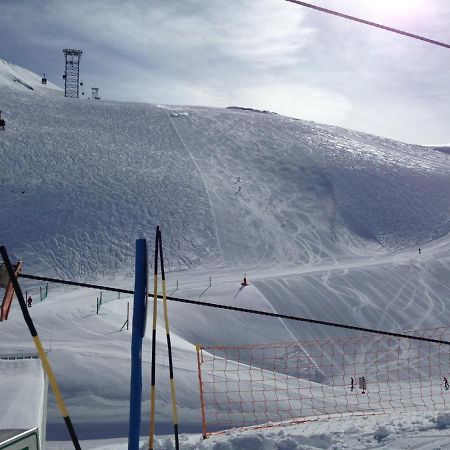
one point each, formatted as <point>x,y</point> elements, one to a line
<point>326,223</point>
<point>22,393</point>
<point>425,432</point>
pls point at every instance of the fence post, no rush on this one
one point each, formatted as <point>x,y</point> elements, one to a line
<point>202,401</point>
<point>46,290</point>
<point>140,294</point>
<point>128,314</point>
<point>40,293</point>
<point>98,305</point>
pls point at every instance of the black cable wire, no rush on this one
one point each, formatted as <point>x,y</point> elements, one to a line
<point>372,24</point>
<point>238,309</point>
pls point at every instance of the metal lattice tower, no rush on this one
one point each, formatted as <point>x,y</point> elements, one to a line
<point>72,72</point>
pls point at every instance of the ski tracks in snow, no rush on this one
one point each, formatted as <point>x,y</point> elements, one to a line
<point>169,117</point>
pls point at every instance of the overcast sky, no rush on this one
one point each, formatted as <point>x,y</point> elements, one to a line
<point>267,54</point>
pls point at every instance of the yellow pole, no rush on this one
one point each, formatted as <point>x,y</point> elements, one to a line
<point>169,347</point>
<point>40,349</point>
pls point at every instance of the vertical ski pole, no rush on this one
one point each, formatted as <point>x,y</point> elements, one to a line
<point>153,372</point>
<point>169,346</point>
<point>140,295</point>
<point>40,349</point>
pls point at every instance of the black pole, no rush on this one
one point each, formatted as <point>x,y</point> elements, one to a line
<point>169,346</point>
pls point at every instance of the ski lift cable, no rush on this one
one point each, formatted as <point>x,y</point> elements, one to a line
<point>372,24</point>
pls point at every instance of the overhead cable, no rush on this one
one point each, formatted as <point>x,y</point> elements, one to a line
<point>244,310</point>
<point>372,24</point>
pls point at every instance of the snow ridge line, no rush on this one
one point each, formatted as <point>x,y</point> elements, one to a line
<point>245,310</point>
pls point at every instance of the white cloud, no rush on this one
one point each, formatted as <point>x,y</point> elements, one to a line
<point>269,54</point>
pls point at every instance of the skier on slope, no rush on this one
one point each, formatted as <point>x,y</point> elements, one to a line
<point>29,301</point>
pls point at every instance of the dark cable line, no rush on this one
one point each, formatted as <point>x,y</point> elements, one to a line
<point>76,283</point>
<point>372,24</point>
<point>238,309</point>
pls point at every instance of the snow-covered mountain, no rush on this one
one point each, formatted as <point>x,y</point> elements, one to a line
<point>326,222</point>
<point>16,78</point>
<point>82,179</point>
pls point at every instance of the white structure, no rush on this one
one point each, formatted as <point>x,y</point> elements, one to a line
<point>23,383</point>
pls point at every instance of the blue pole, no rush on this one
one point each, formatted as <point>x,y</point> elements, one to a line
<point>140,284</point>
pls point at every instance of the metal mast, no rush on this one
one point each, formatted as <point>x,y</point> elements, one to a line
<point>72,72</point>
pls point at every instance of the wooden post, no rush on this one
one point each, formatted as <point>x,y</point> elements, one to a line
<point>9,294</point>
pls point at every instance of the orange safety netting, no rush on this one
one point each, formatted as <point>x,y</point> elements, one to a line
<point>251,385</point>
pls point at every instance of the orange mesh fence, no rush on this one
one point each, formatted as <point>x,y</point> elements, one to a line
<point>251,385</point>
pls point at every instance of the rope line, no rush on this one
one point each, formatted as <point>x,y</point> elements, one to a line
<point>372,24</point>
<point>238,309</point>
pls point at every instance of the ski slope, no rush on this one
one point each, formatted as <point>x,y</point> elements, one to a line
<point>326,223</point>
<point>14,78</point>
<point>88,175</point>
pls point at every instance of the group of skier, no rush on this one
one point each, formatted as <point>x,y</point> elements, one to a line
<point>238,180</point>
